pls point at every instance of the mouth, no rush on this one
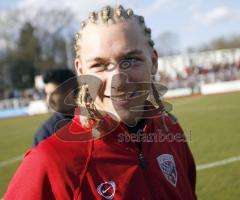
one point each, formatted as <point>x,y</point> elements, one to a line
<point>127,96</point>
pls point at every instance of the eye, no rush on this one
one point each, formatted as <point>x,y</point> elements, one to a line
<point>129,62</point>
<point>126,63</point>
<point>98,67</point>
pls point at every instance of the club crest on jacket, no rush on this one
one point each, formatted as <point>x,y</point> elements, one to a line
<point>167,165</point>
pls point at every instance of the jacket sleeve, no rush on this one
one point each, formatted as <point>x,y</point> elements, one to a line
<point>31,180</point>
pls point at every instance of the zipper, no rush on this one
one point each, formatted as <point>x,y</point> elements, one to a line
<point>143,164</point>
<point>142,161</point>
<point>135,130</point>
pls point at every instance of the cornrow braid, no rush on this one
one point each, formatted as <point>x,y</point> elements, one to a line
<point>85,101</point>
<point>162,108</point>
<point>109,15</point>
<point>90,117</point>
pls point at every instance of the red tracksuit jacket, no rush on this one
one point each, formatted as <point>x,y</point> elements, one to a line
<point>107,168</point>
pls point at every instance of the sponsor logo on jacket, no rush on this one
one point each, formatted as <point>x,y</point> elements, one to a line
<point>107,189</point>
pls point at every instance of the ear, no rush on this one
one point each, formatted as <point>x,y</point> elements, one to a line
<point>78,66</point>
<point>154,58</point>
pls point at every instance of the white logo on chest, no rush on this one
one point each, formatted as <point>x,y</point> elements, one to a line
<point>107,189</point>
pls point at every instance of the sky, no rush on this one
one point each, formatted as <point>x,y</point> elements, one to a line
<point>194,21</point>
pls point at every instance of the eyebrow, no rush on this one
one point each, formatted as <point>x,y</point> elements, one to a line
<point>134,52</point>
<point>129,53</point>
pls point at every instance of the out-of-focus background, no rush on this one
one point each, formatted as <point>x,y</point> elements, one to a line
<point>199,61</point>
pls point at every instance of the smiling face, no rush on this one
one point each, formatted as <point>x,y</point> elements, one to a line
<point>118,55</point>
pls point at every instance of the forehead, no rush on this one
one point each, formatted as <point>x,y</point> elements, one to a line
<point>112,40</point>
<point>50,87</point>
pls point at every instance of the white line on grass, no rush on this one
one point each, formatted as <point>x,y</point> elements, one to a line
<point>10,161</point>
<point>218,163</point>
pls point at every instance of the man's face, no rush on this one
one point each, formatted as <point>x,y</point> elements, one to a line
<point>120,57</point>
<point>56,98</point>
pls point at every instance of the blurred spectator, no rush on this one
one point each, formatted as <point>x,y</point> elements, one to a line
<point>203,74</point>
<point>61,89</point>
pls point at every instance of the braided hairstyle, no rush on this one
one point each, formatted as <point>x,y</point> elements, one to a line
<point>109,15</point>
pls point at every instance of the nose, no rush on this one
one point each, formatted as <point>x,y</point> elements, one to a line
<point>118,77</point>
<point>119,81</point>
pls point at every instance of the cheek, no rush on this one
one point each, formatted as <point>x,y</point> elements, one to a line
<point>58,100</point>
<point>139,75</point>
<point>97,83</point>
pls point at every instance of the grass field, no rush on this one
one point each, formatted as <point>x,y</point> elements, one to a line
<point>212,121</point>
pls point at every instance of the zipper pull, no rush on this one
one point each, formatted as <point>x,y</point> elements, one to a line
<point>142,162</point>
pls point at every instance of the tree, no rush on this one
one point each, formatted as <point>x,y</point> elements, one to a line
<point>24,59</point>
<point>218,43</point>
<point>225,43</point>
<point>167,44</point>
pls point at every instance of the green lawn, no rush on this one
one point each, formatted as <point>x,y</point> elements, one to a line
<point>16,137</point>
<point>214,124</point>
<point>211,122</point>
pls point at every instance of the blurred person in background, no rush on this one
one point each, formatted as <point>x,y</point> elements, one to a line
<point>61,90</point>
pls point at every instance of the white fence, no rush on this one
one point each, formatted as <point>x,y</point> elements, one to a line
<point>206,89</point>
<point>14,103</point>
<point>21,107</point>
<point>220,87</point>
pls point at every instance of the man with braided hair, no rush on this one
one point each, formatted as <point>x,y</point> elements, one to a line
<point>117,145</point>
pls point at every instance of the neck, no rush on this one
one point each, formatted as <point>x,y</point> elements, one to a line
<point>138,126</point>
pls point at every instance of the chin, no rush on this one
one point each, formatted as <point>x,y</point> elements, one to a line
<point>126,117</point>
